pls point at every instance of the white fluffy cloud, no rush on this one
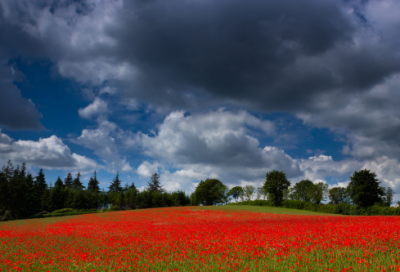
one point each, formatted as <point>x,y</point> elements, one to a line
<point>97,107</point>
<point>104,145</point>
<point>49,153</point>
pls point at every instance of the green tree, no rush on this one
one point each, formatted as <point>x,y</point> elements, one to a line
<point>209,192</point>
<point>30,195</point>
<point>69,181</point>
<point>235,192</point>
<point>275,185</point>
<point>339,195</point>
<point>154,184</point>
<point>13,191</point>
<point>77,184</point>
<point>40,187</point>
<point>93,185</point>
<point>387,199</point>
<point>300,191</point>
<point>59,183</point>
<point>248,191</point>
<point>317,192</point>
<point>364,188</point>
<point>116,184</point>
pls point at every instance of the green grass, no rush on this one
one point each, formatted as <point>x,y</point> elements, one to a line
<point>275,210</point>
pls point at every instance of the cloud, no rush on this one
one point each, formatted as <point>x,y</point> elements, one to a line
<point>49,153</point>
<point>216,137</point>
<point>16,112</point>
<point>147,169</point>
<point>104,145</point>
<point>97,107</point>
<point>322,166</point>
<point>216,144</point>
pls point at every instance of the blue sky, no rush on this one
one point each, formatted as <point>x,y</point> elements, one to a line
<point>194,90</point>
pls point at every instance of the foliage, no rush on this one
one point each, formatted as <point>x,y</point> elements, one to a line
<point>248,191</point>
<point>342,208</point>
<point>154,184</point>
<point>116,185</point>
<point>209,192</point>
<point>93,185</point>
<point>364,189</point>
<point>301,191</point>
<point>235,192</point>
<point>317,192</point>
<point>275,184</point>
<point>338,195</point>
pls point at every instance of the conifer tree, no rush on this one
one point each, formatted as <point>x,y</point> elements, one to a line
<point>93,185</point>
<point>40,188</point>
<point>68,181</point>
<point>77,184</point>
<point>154,183</point>
<point>59,183</point>
<point>115,185</point>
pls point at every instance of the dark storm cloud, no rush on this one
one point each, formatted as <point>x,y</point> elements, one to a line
<point>16,112</point>
<point>232,49</point>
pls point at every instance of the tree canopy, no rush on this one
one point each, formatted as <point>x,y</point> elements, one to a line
<point>275,185</point>
<point>235,192</point>
<point>364,188</point>
<point>300,191</point>
<point>209,192</point>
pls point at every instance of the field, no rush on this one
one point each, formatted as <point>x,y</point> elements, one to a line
<point>230,238</point>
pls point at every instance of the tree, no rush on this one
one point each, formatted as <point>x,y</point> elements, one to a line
<point>154,184</point>
<point>116,185</point>
<point>39,187</point>
<point>248,191</point>
<point>209,192</point>
<point>69,181</point>
<point>275,184</point>
<point>388,197</point>
<point>13,191</point>
<point>77,184</point>
<point>364,188</point>
<point>59,183</point>
<point>235,192</point>
<point>93,185</point>
<point>339,195</point>
<point>301,190</point>
<point>317,192</point>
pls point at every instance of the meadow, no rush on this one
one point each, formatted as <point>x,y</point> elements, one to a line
<point>219,238</point>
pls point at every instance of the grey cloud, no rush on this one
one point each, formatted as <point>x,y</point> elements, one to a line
<point>16,112</point>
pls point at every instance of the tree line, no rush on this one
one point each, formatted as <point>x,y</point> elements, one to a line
<point>364,190</point>
<point>23,195</point>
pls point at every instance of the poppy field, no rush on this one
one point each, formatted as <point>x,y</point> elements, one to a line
<point>198,239</point>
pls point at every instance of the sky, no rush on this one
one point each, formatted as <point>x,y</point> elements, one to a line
<point>227,89</point>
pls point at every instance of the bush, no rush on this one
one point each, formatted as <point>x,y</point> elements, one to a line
<point>66,210</point>
<point>342,208</point>
<point>115,208</point>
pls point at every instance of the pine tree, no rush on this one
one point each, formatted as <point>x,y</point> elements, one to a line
<point>68,181</point>
<point>115,185</point>
<point>93,185</point>
<point>154,184</point>
<point>77,184</point>
<point>59,183</point>
<point>40,188</point>
<point>30,195</point>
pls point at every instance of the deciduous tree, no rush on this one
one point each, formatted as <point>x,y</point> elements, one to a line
<point>364,188</point>
<point>275,184</point>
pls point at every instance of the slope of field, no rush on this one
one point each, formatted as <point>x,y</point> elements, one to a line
<point>201,239</point>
